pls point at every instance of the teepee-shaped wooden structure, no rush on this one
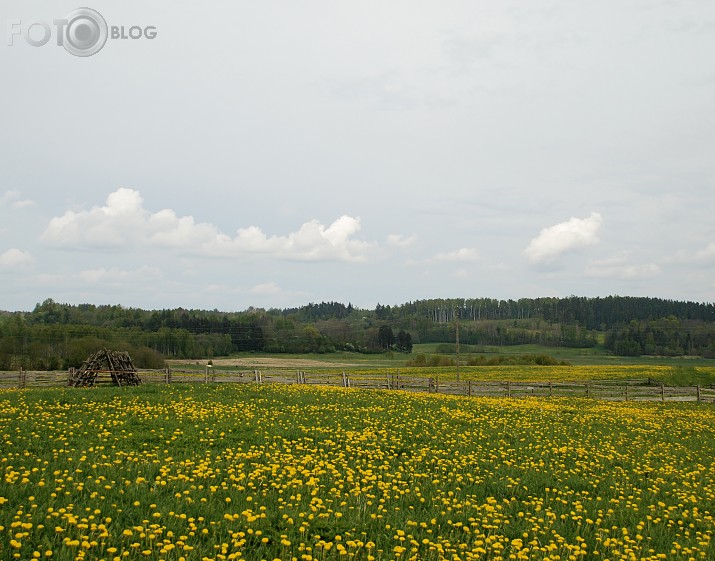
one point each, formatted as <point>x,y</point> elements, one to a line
<point>113,367</point>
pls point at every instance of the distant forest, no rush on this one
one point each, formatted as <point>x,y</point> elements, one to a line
<point>57,336</point>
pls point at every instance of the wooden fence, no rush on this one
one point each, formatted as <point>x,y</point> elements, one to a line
<point>615,390</point>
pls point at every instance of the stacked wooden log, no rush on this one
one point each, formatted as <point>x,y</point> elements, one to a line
<point>106,367</point>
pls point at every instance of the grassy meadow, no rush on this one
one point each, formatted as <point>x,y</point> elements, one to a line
<point>216,472</point>
<point>577,356</point>
<point>582,365</point>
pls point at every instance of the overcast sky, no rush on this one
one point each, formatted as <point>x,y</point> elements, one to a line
<point>272,154</point>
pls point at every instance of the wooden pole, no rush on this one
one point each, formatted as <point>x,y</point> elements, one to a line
<point>698,392</point>
<point>626,392</point>
<point>469,388</point>
<point>508,389</point>
<point>662,392</point>
<point>551,389</point>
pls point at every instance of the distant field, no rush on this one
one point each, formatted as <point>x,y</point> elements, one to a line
<point>585,364</point>
<point>356,360</point>
<point>588,356</point>
<point>214,473</point>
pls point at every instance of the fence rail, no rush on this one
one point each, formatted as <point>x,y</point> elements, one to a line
<point>614,390</point>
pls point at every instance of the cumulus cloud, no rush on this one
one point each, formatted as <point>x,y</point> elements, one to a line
<point>124,222</point>
<point>572,235</point>
<point>120,222</point>
<point>621,266</point>
<point>12,199</point>
<point>16,259</point>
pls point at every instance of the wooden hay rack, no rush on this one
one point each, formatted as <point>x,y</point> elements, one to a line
<point>107,368</point>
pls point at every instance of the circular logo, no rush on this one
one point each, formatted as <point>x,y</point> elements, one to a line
<point>86,32</point>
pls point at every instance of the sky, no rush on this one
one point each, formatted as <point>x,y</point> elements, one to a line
<point>276,153</point>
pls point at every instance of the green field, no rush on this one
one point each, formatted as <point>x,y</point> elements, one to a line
<point>583,364</point>
<point>305,472</point>
<point>589,356</point>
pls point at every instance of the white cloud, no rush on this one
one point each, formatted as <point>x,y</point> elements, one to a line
<point>16,258</point>
<point>620,266</point>
<point>124,222</point>
<point>554,241</point>
<point>12,199</point>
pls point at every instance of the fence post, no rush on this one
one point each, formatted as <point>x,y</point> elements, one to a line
<point>508,388</point>
<point>698,392</point>
<point>436,384</point>
<point>588,389</point>
<point>345,384</point>
<point>662,392</point>
<point>626,392</point>
<point>388,380</point>
<point>469,388</point>
<point>551,389</point>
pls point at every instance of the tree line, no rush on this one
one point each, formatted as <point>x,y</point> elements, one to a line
<point>55,335</point>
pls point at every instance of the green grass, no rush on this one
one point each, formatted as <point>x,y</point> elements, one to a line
<point>584,364</point>
<point>297,472</point>
<point>587,356</point>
